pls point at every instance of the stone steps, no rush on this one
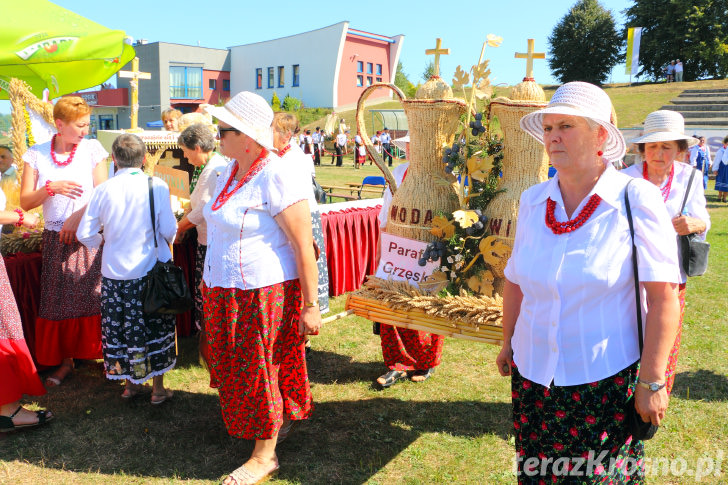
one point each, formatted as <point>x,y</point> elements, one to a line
<point>702,107</point>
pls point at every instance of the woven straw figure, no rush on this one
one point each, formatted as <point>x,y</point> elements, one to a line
<point>427,190</point>
<point>525,163</point>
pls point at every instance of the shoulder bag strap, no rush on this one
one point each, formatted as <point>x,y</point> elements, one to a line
<point>634,267</point>
<point>687,191</point>
<point>151,209</point>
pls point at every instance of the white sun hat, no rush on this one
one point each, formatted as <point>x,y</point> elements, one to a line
<point>587,101</point>
<point>664,125</point>
<point>248,113</point>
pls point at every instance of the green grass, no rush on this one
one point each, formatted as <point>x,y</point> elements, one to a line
<point>453,429</point>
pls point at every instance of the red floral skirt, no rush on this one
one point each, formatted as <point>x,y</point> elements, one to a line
<point>405,349</point>
<point>17,371</point>
<point>69,317</point>
<point>576,434</point>
<point>257,360</point>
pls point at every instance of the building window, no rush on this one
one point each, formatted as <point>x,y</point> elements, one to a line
<point>212,84</point>
<point>369,80</point>
<point>185,82</point>
<point>379,69</point>
<point>259,78</point>
<point>281,76</point>
<point>359,66</point>
<point>270,77</point>
<point>379,79</point>
<point>296,78</point>
<point>359,81</point>
<point>226,84</point>
<point>370,67</point>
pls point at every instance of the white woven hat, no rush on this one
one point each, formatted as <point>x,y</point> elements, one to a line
<point>584,100</point>
<point>248,113</point>
<point>664,125</point>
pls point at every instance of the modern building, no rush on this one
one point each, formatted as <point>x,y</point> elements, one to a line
<point>109,107</point>
<point>183,77</point>
<point>327,67</point>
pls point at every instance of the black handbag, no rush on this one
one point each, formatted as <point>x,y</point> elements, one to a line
<point>639,429</point>
<point>165,288</point>
<point>318,191</point>
<point>693,250</point>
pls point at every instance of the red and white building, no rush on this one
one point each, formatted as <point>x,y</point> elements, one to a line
<point>327,67</point>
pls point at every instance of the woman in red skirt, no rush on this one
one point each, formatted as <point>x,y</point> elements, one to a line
<point>260,281</point>
<point>60,175</point>
<point>16,366</point>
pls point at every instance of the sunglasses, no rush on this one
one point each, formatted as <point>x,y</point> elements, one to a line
<point>221,131</point>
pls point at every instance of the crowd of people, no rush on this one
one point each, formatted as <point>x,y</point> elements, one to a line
<point>570,342</point>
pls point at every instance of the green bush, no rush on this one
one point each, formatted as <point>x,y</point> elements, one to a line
<point>291,104</point>
<point>275,102</point>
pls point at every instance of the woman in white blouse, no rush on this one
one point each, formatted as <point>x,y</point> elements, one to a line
<point>662,143</point>
<point>198,146</point>
<point>137,346</point>
<point>260,281</point>
<point>569,311</point>
<point>61,175</point>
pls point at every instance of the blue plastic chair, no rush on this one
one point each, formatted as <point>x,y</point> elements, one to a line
<point>373,181</point>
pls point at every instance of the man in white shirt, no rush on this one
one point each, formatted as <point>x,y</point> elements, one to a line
<point>678,71</point>
<point>385,139</point>
<point>339,147</point>
<point>317,140</point>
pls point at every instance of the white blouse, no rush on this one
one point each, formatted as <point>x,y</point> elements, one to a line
<point>303,163</point>
<point>203,192</point>
<point>246,248</point>
<point>577,321</point>
<point>58,208</point>
<point>120,206</point>
<point>695,205</point>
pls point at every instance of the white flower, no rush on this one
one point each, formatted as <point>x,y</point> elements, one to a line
<point>444,269</point>
<point>450,260</point>
<point>453,275</point>
<point>458,257</point>
<point>493,40</point>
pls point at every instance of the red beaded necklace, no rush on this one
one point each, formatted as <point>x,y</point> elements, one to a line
<point>575,223</point>
<point>283,150</point>
<point>53,153</point>
<point>666,189</point>
<point>225,194</point>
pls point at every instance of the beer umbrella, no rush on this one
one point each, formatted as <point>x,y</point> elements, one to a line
<point>52,48</point>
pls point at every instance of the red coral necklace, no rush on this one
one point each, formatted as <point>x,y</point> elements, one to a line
<point>575,223</point>
<point>666,189</point>
<point>225,195</point>
<point>284,150</point>
<point>53,153</point>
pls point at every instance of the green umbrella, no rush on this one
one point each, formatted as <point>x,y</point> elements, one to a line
<point>50,47</point>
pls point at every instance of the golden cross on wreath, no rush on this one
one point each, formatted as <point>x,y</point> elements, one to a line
<point>135,75</point>
<point>530,56</point>
<point>437,52</point>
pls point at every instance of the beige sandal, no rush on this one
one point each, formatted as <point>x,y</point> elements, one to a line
<point>160,397</point>
<point>243,475</point>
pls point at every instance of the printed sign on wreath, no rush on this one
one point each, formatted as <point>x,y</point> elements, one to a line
<point>399,261</point>
<point>177,180</point>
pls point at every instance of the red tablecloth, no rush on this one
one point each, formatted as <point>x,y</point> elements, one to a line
<point>351,237</point>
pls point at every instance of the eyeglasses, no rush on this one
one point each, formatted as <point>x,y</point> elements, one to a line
<point>221,131</point>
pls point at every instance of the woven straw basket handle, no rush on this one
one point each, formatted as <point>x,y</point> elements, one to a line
<point>361,129</point>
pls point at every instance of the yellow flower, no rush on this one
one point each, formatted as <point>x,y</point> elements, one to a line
<point>493,40</point>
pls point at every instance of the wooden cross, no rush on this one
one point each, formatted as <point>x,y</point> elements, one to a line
<point>134,75</point>
<point>530,56</point>
<point>437,51</point>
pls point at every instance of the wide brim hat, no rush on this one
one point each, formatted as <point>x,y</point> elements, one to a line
<point>584,100</point>
<point>664,125</point>
<point>248,113</point>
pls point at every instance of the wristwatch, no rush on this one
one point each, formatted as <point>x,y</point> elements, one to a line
<point>652,386</point>
<point>308,304</point>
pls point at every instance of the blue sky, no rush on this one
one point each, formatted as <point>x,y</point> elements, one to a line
<point>461,25</point>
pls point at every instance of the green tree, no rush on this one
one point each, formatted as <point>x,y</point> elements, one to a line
<point>275,102</point>
<point>429,71</point>
<point>585,44</point>
<point>693,31</point>
<point>402,81</point>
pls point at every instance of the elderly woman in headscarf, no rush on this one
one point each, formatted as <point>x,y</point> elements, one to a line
<point>260,281</point>
<point>570,340</point>
<point>662,143</point>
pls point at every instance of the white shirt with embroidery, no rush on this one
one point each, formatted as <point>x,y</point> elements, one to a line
<point>120,207</point>
<point>577,322</point>
<point>58,208</point>
<point>203,192</point>
<point>694,206</point>
<point>246,248</point>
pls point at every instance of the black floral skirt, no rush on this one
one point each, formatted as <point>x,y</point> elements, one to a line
<point>136,345</point>
<point>576,434</point>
